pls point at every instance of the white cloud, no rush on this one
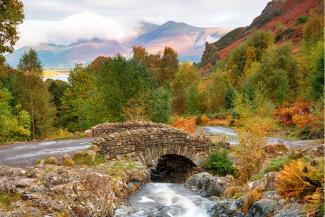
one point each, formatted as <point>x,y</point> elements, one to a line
<point>65,21</point>
<point>72,28</point>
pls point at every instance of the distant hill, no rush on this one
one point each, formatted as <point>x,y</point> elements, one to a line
<point>279,16</point>
<point>187,40</point>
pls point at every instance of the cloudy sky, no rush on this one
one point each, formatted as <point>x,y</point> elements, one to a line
<point>66,21</point>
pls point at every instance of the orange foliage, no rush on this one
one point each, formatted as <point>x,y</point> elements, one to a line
<point>186,124</point>
<point>299,179</point>
<point>297,114</point>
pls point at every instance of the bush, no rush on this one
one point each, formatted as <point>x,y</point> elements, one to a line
<point>300,179</point>
<point>219,163</point>
<point>301,19</point>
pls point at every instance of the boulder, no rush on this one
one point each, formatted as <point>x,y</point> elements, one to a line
<point>262,208</point>
<point>290,210</point>
<point>205,184</point>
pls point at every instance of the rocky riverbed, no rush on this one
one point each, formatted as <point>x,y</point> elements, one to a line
<point>79,190</point>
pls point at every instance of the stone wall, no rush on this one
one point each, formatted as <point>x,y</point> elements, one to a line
<point>147,141</point>
<point>108,128</point>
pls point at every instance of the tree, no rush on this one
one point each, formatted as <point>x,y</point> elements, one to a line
<point>215,94</point>
<point>316,78</point>
<point>168,66</point>
<point>244,55</point>
<point>77,95</point>
<point>124,84</point>
<point>186,77</point>
<point>33,95</point>
<point>277,73</point>
<point>12,127</point>
<point>11,15</point>
<point>192,100</point>
<point>30,63</point>
<point>57,89</point>
<point>161,105</point>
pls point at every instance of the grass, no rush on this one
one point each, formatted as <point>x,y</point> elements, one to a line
<point>116,167</point>
<point>7,199</point>
<point>89,160</point>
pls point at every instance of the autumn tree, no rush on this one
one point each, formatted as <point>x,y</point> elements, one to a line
<point>11,15</point>
<point>186,77</point>
<point>168,66</point>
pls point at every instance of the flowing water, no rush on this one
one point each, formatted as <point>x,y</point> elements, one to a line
<point>165,200</point>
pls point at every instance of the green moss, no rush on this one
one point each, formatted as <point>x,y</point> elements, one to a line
<point>7,199</point>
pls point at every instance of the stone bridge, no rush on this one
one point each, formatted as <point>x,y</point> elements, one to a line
<point>148,141</point>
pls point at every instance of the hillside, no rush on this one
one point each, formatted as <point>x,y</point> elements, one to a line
<point>279,16</point>
<point>187,40</point>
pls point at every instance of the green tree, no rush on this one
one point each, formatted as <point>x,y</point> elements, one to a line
<point>75,98</point>
<point>161,105</point>
<point>192,100</point>
<point>316,78</point>
<point>33,95</point>
<point>244,55</point>
<point>125,87</point>
<point>57,89</point>
<point>12,127</point>
<point>277,73</point>
<point>11,15</point>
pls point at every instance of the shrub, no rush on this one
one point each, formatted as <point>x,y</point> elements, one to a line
<point>301,19</point>
<point>219,163</point>
<point>300,179</point>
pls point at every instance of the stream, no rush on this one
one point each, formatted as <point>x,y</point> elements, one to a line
<point>165,200</point>
<point>174,200</point>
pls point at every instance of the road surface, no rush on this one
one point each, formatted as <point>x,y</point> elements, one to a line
<point>24,154</point>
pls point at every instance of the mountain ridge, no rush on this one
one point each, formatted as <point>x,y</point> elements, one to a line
<point>187,40</point>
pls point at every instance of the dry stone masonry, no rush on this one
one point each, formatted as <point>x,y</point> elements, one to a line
<point>147,141</point>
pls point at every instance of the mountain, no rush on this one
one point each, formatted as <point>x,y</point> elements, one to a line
<point>83,51</point>
<point>187,40</point>
<point>279,16</point>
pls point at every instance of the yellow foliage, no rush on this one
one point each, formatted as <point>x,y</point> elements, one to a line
<point>255,124</point>
<point>250,198</point>
<point>300,179</point>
